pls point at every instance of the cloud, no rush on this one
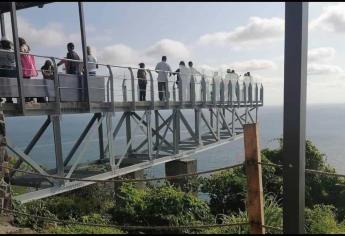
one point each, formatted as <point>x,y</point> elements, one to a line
<point>169,48</point>
<point>331,19</point>
<point>251,65</point>
<point>257,31</point>
<point>50,35</point>
<point>321,54</point>
<point>323,69</point>
<point>240,66</point>
<point>119,54</point>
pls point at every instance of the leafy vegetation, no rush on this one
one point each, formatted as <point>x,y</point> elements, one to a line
<point>165,204</point>
<point>161,205</point>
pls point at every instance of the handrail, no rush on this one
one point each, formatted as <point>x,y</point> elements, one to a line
<point>216,86</point>
<point>106,65</point>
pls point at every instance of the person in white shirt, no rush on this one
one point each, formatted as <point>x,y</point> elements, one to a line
<point>193,70</point>
<point>163,70</point>
<point>92,66</point>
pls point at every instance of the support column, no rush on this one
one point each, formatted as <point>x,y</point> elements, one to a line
<point>294,138</point>
<point>157,126</point>
<point>224,122</point>
<point>83,42</point>
<point>21,98</point>
<point>218,123</point>
<point>176,130</point>
<point>55,119</point>
<point>2,23</point>
<point>100,138</point>
<point>129,131</point>
<point>211,117</point>
<point>110,138</point>
<point>5,187</point>
<point>149,133</point>
<point>197,113</point>
<point>179,167</point>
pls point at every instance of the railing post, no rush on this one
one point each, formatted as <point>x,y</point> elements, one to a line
<point>203,89</point>
<point>255,199</point>
<point>222,90</point>
<point>238,93</point>
<point>132,87</point>
<point>262,95</point>
<point>214,95</point>
<point>192,90</point>
<point>56,88</point>
<point>250,94</point>
<point>152,92</point>
<point>230,93</point>
<point>180,92</point>
<point>111,78</point>
<point>124,90</point>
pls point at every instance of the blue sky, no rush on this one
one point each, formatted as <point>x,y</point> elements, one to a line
<point>216,36</point>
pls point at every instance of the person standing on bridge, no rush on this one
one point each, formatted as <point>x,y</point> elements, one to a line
<point>72,67</point>
<point>7,62</point>
<point>28,63</point>
<point>92,62</point>
<point>141,75</point>
<point>193,70</point>
<point>163,68</point>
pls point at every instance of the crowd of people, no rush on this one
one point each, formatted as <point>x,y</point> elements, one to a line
<point>28,65</point>
<point>74,66</point>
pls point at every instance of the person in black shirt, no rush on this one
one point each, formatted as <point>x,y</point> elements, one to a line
<point>141,75</point>
<point>71,66</point>
<point>177,72</point>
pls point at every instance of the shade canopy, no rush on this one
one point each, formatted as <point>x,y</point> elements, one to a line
<point>6,6</point>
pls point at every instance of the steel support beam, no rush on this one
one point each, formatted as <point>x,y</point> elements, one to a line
<point>156,126</point>
<point>55,119</point>
<point>110,138</point>
<point>27,197</point>
<point>100,138</point>
<point>83,43</point>
<point>32,144</point>
<point>176,129</point>
<point>2,24</point>
<point>21,98</point>
<point>295,85</point>
<point>149,133</point>
<point>80,140</point>
<point>197,115</point>
<point>129,131</point>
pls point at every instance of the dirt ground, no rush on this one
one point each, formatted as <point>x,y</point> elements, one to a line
<point>7,228</point>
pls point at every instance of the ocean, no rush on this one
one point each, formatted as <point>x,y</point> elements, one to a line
<point>324,129</point>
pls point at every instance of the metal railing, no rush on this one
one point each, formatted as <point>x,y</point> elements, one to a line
<point>204,90</point>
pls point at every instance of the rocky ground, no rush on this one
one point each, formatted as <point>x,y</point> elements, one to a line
<point>7,228</point>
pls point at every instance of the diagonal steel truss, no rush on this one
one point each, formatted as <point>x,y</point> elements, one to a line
<point>163,139</point>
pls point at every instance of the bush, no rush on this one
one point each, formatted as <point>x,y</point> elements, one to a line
<point>162,205</point>
<point>322,219</point>
<point>83,229</point>
<point>226,189</point>
<point>273,214</point>
<point>35,208</point>
<point>81,202</point>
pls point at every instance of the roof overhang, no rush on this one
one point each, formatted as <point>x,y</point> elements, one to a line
<point>6,6</point>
